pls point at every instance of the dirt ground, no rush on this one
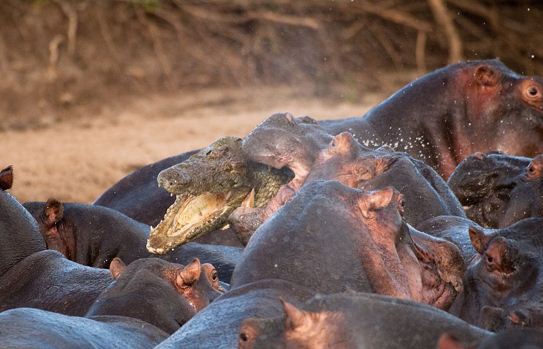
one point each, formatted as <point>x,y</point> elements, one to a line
<point>78,159</point>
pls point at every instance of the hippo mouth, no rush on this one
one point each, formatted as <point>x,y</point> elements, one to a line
<point>192,216</point>
<point>441,282</point>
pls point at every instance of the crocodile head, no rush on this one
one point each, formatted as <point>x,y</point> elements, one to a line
<point>208,187</point>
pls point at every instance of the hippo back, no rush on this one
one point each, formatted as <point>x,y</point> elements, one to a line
<point>35,328</point>
<point>47,280</point>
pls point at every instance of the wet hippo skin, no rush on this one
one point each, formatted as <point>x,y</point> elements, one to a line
<point>349,320</point>
<point>299,244</point>
<point>145,303</point>
<point>452,112</point>
<point>217,326</point>
<point>18,228</point>
<point>426,194</point>
<point>93,235</point>
<point>502,284</point>
<point>47,280</point>
<point>515,338</point>
<point>497,189</point>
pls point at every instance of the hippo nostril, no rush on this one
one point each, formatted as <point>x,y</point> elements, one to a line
<point>489,259</point>
<point>243,337</point>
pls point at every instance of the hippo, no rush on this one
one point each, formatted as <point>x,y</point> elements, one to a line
<point>450,113</point>
<point>89,235</point>
<point>456,230</point>
<point>497,189</point>
<point>355,320</point>
<point>217,326</point>
<point>502,283</point>
<point>93,235</point>
<point>426,194</point>
<point>47,280</point>
<point>19,228</point>
<point>475,101</point>
<point>299,244</point>
<point>525,338</point>
<point>148,300</point>
<point>344,159</point>
<point>159,292</point>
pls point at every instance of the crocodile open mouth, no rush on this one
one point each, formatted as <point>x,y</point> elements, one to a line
<point>190,217</point>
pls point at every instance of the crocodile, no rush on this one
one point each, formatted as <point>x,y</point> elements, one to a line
<point>208,187</point>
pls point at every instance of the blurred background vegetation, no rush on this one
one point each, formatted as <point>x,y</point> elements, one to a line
<point>64,56</point>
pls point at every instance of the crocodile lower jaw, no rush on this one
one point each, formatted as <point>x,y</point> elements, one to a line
<point>192,216</point>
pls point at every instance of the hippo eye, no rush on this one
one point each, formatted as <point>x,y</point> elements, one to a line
<point>531,168</point>
<point>243,337</point>
<point>489,259</point>
<point>533,91</point>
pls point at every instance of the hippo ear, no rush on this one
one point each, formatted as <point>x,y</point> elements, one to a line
<point>486,76</point>
<point>190,273</point>
<point>289,117</point>
<point>479,239</point>
<point>116,267</point>
<point>375,200</point>
<point>6,178</point>
<point>535,168</point>
<point>53,211</point>
<point>448,341</point>
<point>295,317</point>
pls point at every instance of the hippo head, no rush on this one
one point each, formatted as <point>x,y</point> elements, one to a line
<point>161,293</point>
<point>504,110</point>
<point>297,329</point>
<point>281,140</point>
<point>484,183</point>
<point>419,266</point>
<point>209,186</point>
<point>505,276</point>
<point>348,162</point>
<point>526,198</point>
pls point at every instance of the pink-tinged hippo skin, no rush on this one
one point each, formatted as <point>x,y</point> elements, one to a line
<point>455,111</point>
<point>503,283</point>
<point>355,320</point>
<point>513,338</point>
<point>93,235</point>
<point>330,238</point>
<point>426,194</point>
<point>161,293</point>
<point>345,160</point>
<point>499,189</point>
<point>148,300</point>
<point>218,325</point>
